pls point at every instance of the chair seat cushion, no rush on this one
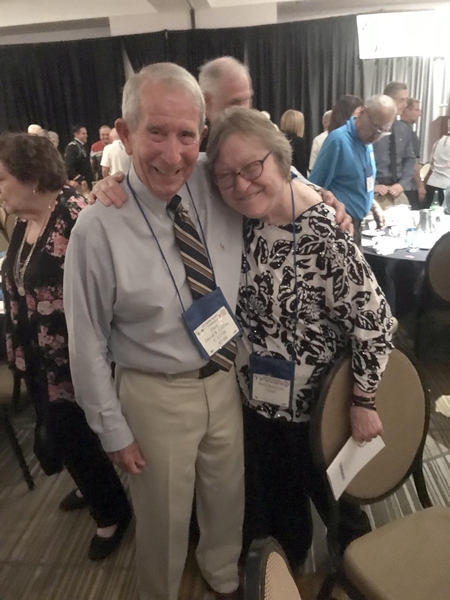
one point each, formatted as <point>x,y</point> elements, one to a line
<point>408,559</point>
<point>279,583</point>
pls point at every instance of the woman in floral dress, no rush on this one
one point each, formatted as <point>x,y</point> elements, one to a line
<point>32,187</point>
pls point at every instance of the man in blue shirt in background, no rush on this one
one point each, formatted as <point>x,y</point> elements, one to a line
<point>346,163</point>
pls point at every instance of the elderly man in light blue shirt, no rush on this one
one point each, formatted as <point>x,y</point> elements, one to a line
<point>172,419</point>
<point>346,163</point>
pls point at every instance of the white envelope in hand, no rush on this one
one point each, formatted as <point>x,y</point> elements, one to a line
<point>348,463</point>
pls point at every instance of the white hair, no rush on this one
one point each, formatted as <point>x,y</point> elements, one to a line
<point>34,129</point>
<point>213,72</point>
<point>168,74</point>
<point>326,117</point>
<point>381,103</point>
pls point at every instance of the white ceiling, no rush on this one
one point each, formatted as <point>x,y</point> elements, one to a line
<point>318,5</point>
<point>32,18</point>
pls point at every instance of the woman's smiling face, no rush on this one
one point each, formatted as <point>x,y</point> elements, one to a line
<point>257,198</point>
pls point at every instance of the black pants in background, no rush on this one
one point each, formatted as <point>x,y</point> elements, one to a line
<point>279,481</point>
<point>430,195</point>
<point>357,228</point>
<point>89,465</point>
<point>413,199</point>
<point>83,456</point>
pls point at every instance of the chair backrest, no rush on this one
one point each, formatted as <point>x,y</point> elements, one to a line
<point>6,384</point>
<point>438,268</point>
<point>403,406</point>
<point>267,573</point>
<point>424,170</point>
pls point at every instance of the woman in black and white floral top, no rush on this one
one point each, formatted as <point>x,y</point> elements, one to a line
<point>306,293</point>
<point>339,301</point>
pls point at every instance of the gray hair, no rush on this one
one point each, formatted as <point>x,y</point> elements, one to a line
<point>213,72</point>
<point>249,122</point>
<point>54,138</point>
<point>168,74</point>
<point>326,117</point>
<point>381,103</point>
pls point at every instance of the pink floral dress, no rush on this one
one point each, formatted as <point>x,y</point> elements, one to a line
<point>36,332</point>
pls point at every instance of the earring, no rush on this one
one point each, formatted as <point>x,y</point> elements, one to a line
<point>34,192</point>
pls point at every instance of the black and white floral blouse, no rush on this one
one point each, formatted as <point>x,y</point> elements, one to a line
<point>339,303</point>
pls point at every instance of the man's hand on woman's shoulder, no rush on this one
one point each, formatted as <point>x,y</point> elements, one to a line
<point>343,220</point>
<point>109,191</point>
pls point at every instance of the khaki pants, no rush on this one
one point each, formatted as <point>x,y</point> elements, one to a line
<point>190,433</point>
<point>388,200</point>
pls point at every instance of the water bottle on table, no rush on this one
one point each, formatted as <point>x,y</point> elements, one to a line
<point>411,239</point>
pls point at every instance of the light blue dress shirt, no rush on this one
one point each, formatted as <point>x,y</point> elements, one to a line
<point>343,165</point>
<point>121,303</point>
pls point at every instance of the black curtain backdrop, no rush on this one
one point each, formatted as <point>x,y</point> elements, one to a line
<point>60,84</point>
<point>146,48</point>
<point>306,66</point>
<point>190,49</point>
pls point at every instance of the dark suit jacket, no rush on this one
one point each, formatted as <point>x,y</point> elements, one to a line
<point>300,157</point>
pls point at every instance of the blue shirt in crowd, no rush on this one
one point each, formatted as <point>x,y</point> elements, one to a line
<point>343,166</point>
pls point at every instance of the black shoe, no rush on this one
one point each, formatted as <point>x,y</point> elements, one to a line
<point>72,502</point>
<point>101,548</point>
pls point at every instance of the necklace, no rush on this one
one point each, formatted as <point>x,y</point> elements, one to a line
<point>19,269</point>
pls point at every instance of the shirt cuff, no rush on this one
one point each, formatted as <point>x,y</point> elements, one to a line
<point>117,439</point>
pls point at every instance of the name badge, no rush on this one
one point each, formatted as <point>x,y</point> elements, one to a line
<point>271,380</point>
<point>211,323</point>
<point>370,181</point>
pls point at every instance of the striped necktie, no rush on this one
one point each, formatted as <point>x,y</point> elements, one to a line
<point>198,269</point>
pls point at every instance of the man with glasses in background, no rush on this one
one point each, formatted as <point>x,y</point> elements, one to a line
<point>133,278</point>
<point>394,155</point>
<point>346,163</point>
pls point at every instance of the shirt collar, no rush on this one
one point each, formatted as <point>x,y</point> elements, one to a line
<point>157,206</point>
<point>351,125</point>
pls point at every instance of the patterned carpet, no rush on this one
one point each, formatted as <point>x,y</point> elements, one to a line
<point>43,551</point>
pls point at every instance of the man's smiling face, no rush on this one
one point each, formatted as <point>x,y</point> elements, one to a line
<point>165,145</point>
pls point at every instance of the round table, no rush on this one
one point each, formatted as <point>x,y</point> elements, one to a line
<point>400,276</point>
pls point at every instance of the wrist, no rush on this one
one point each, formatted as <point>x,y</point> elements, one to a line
<point>363,401</point>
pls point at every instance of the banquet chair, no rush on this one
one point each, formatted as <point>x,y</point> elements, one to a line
<point>407,558</point>
<point>267,573</point>
<point>435,290</point>
<point>8,386</point>
<point>424,170</point>
<point>7,223</point>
